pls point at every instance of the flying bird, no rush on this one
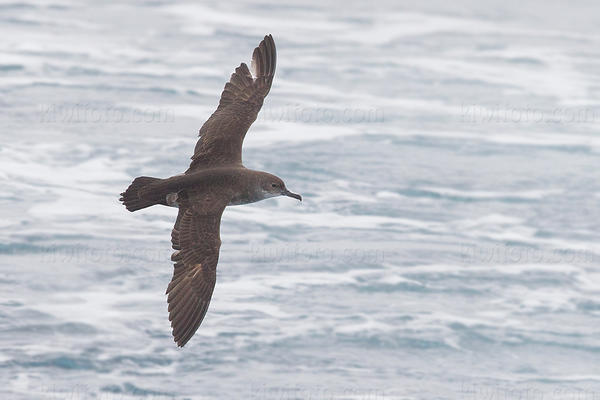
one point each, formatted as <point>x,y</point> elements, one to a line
<point>215,179</point>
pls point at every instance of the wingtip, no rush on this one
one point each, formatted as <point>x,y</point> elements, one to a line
<point>181,341</point>
<point>264,58</point>
<point>269,38</point>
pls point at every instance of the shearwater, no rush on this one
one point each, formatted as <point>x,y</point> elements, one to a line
<point>215,179</point>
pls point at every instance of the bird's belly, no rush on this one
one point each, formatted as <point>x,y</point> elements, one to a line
<point>241,199</point>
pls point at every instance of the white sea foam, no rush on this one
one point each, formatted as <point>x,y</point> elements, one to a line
<point>481,194</point>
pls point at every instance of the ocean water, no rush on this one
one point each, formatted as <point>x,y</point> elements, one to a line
<point>447,246</point>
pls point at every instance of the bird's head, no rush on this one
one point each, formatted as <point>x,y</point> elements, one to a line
<point>273,186</point>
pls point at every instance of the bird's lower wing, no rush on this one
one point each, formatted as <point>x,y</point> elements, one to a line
<point>197,241</point>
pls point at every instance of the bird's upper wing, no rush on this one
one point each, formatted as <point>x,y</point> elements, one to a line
<point>222,135</point>
<point>196,237</point>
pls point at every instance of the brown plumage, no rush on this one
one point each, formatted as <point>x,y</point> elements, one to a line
<point>222,134</point>
<point>215,179</point>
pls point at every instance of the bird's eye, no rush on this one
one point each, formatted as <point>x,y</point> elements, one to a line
<point>273,185</point>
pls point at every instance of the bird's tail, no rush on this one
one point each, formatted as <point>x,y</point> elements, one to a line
<point>138,195</point>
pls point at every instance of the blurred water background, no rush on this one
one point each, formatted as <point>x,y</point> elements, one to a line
<point>448,243</point>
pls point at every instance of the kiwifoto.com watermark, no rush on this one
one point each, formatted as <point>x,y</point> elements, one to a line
<point>508,114</point>
<point>506,254</point>
<point>83,391</point>
<point>322,115</point>
<point>79,252</point>
<point>293,392</point>
<point>74,113</point>
<point>475,391</point>
<point>350,254</point>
